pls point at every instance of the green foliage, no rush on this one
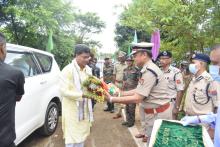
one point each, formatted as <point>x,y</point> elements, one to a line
<point>124,36</point>
<point>185,25</point>
<point>27,22</point>
<point>86,25</point>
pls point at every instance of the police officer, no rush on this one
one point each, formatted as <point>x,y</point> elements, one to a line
<point>201,95</point>
<point>151,91</point>
<point>213,119</point>
<point>108,78</point>
<point>118,78</point>
<point>130,81</point>
<point>174,78</point>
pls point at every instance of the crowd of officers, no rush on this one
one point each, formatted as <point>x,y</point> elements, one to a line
<point>162,91</point>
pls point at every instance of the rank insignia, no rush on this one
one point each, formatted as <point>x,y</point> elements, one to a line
<point>178,82</point>
<point>141,81</point>
<point>213,92</point>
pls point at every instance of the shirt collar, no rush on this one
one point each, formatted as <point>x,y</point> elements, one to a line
<point>77,66</point>
<point>168,70</point>
<point>201,76</point>
<point>146,65</point>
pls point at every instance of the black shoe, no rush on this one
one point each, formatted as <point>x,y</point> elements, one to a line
<point>124,123</point>
<point>112,111</point>
<point>129,125</point>
<point>106,109</point>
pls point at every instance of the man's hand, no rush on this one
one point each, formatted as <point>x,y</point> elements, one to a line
<point>190,120</point>
<point>107,96</point>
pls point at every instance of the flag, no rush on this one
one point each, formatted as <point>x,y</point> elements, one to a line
<point>129,50</point>
<point>155,39</point>
<point>135,40</point>
<point>135,37</point>
<point>50,42</point>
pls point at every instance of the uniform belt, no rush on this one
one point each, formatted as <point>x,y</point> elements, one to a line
<point>118,81</point>
<point>160,109</point>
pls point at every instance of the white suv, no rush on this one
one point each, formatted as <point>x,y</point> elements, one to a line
<point>40,106</point>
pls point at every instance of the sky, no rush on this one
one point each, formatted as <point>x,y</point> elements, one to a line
<point>106,10</point>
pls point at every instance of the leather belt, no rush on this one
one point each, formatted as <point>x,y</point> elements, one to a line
<point>160,109</point>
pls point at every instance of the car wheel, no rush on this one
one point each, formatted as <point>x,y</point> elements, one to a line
<point>51,120</point>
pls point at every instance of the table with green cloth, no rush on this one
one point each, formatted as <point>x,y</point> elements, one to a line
<point>174,134</point>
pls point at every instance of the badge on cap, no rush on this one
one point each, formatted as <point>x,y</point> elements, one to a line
<point>194,55</point>
<point>165,53</point>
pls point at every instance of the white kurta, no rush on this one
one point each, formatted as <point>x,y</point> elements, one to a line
<point>74,131</point>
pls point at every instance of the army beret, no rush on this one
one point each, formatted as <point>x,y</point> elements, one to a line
<point>129,58</point>
<point>201,57</point>
<point>142,46</point>
<point>165,53</point>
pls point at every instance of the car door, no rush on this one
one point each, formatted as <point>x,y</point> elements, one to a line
<point>26,113</point>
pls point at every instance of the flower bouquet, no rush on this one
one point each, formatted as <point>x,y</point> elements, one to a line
<point>94,88</point>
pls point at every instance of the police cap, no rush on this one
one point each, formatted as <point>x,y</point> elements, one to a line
<point>201,57</point>
<point>142,46</point>
<point>166,54</point>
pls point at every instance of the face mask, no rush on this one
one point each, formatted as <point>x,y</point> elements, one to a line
<point>214,71</point>
<point>193,69</point>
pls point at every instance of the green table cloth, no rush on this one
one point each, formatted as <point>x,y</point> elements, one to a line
<point>172,134</point>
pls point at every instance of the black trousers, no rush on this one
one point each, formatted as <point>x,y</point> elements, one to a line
<point>110,106</point>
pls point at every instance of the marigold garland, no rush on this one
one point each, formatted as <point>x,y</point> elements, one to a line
<point>93,89</point>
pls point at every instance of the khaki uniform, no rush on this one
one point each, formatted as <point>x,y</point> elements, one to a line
<point>130,81</point>
<point>174,78</point>
<point>202,95</point>
<point>154,89</point>
<point>118,72</point>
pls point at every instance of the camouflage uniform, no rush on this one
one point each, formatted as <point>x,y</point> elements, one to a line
<point>108,78</point>
<point>130,81</point>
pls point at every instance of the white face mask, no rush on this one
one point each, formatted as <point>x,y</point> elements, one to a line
<point>193,69</point>
<point>214,71</point>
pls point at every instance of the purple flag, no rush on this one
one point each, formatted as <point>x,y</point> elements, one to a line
<point>155,39</point>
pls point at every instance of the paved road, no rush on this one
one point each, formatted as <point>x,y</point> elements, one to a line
<point>105,132</point>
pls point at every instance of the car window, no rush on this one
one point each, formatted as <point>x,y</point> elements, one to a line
<point>45,62</point>
<point>24,62</point>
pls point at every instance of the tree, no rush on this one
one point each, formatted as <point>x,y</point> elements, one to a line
<point>185,25</point>
<point>124,36</point>
<point>28,22</point>
<point>85,26</point>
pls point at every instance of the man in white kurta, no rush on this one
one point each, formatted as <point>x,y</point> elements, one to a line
<point>76,110</point>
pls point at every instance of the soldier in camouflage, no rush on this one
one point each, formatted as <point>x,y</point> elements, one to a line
<point>108,78</point>
<point>130,81</point>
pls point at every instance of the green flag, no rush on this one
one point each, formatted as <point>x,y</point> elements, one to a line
<point>50,42</point>
<point>135,37</point>
<point>129,50</point>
